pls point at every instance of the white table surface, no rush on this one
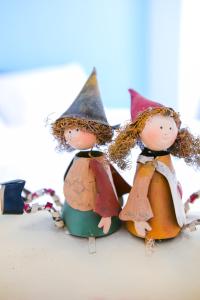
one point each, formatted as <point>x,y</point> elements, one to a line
<point>39,261</point>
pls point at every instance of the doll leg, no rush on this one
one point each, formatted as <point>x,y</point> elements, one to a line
<point>92,244</point>
<point>149,246</point>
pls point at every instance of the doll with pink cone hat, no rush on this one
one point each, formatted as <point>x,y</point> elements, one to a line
<point>154,209</point>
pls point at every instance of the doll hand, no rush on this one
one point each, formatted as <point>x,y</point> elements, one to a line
<point>105,223</point>
<point>142,227</point>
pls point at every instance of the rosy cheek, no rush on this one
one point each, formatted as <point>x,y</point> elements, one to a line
<point>87,138</point>
<point>153,135</point>
<point>148,136</point>
<point>83,140</point>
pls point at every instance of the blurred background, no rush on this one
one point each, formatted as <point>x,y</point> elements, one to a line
<point>48,49</point>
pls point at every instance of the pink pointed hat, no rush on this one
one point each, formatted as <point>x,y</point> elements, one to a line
<point>139,104</point>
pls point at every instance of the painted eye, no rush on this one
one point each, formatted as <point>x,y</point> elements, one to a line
<point>170,128</point>
<point>77,129</point>
<point>161,127</point>
<point>70,131</point>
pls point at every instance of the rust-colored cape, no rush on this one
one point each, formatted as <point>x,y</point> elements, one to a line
<point>151,200</point>
<point>87,186</point>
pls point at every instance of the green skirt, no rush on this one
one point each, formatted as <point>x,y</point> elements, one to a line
<point>85,223</point>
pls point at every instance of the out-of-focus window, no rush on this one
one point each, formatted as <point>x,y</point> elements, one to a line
<point>189,61</point>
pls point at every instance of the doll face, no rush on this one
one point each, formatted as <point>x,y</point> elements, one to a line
<point>79,139</point>
<point>159,133</point>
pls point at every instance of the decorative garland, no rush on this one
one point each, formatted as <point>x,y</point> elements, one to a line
<point>193,197</point>
<point>35,207</point>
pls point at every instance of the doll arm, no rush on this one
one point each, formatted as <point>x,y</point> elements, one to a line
<point>106,203</point>
<point>142,227</point>
<point>105,223</point>
<point>137,208</point>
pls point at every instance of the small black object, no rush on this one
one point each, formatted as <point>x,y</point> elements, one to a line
<point>153,153</point>
<point>11,201</point>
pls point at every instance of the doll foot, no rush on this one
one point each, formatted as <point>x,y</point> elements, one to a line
<point>150,246</point>
<point>92,245</point>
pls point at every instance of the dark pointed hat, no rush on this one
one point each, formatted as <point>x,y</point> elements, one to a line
<point>88,104</point>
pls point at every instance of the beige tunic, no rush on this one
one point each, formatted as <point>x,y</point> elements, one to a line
<point>154,197</point>
<point>80,185</point>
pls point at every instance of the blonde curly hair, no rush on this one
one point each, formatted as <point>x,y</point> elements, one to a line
<point>103,132</point>
<point>185,146</point>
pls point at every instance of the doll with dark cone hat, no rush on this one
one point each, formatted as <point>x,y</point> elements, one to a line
<point>92,187</point>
